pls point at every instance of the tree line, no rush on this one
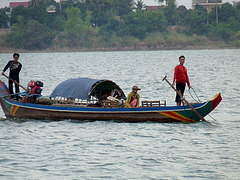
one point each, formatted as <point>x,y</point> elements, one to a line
<point>113,23</point>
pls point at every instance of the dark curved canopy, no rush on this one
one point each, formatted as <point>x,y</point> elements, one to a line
<point>84,88</point>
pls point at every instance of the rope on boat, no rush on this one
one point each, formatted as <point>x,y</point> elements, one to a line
<point>195,95</point>
<point>199,101</point>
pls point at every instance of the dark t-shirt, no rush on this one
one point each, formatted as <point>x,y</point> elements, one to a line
<point>14,69</point>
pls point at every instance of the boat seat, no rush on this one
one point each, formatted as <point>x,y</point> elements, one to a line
<point>153,103</point>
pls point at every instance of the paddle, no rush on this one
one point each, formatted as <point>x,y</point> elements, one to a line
<point>15,82</point>
<point>194,110</point>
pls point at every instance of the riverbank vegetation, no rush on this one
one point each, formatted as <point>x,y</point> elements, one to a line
<point>110,25</point>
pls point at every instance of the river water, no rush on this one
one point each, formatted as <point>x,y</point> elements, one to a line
<point>38,149</point>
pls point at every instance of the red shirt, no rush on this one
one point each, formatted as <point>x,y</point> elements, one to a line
<point>180,75</point>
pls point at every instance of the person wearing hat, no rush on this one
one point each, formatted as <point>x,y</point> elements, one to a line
<point>133,98</point>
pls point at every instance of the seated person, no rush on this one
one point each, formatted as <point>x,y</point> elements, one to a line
<point>133,98</point>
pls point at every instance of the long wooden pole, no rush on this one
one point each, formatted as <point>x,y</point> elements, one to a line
<point>15,82</point>
<point>194,110</point>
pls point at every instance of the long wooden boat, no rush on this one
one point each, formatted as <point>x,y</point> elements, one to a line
<point>52,111</point>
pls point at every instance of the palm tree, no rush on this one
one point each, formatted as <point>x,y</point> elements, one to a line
<point>139,4</point>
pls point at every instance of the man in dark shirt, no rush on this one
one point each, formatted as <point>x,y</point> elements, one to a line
<point>15,68</point>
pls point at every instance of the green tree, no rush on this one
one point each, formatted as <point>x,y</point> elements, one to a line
<point>36,35</point>
<point>72,27</point>
<point>35,3</point>
<point>3,19</point>
<point>233,25</point>
<point>71,3</point>
<point>219,30</point>
<point>88,18</point>
<point>112,27</point>
<point>19,11</point>
<point>237,7</point>
<point>155,21</point>
<point>134,25</point>
<point>226,12</point>
<point>100,9</point>
<point>170,12</point>
<point>76,31</point>
<point>16,37</point>
<point>139,23</point>
<point>104,9</point>
<point>198,20</point>
<point>124,7</point>
<point>40,14</point>
<point>182,14</point>
<point>139,4</point>
<point>225,31</point>
<point>31,35</point>
<point>36,12</point>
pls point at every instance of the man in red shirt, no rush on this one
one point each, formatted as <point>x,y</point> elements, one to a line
<point>181,78</point>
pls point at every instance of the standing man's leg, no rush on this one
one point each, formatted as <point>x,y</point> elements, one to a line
<point>182,91</point>
<point>178,99</point>
<point>17,88</point>
<point>10,87</point>
<point>180,86</point>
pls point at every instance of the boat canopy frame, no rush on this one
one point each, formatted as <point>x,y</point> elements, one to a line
<point>86,88</point>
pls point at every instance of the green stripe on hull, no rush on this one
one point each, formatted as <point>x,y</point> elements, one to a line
<point>191,115</point>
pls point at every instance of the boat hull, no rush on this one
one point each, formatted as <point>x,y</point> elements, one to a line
<point>14,109</point>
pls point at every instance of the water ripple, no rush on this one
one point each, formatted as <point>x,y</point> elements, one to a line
<point>42,149</point>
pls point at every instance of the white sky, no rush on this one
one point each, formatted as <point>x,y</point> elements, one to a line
<point>187,3</point>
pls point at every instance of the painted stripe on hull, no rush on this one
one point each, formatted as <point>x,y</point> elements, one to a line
<point>14,110</point>
<point>177,116</point>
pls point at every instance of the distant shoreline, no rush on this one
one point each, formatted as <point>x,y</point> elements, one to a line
<point>141,48</point>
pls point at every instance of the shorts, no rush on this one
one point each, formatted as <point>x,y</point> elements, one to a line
<point>180,86</point>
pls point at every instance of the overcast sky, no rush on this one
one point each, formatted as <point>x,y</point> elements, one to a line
<point>187,3</point>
